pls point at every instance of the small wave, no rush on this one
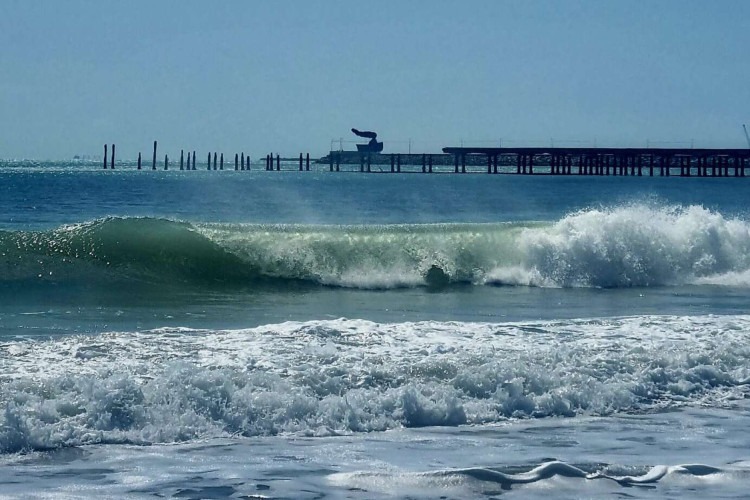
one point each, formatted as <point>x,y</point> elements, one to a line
<point>485,479</point>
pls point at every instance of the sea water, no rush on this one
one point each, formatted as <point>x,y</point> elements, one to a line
<point>342,335</point>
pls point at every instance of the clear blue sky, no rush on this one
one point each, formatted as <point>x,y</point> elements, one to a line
<point>289,76</point>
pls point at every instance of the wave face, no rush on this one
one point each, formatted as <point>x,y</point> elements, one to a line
<point>323,378</point>
<point>627,246</point>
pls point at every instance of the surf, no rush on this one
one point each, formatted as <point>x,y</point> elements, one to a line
<point>636,245</point>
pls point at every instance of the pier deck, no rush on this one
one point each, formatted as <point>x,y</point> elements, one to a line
<point>555,161</point>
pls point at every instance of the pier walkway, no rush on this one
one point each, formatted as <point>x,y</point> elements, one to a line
<point>555,161</point>
<point>609,161</point>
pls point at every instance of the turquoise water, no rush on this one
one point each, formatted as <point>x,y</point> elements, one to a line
<point>487,333</point>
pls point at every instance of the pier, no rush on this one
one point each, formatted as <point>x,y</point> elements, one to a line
<point>588,161</point>
<point>605,161</point>
<point>553,161</point>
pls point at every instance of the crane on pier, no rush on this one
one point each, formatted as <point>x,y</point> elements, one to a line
<point>747,137</point>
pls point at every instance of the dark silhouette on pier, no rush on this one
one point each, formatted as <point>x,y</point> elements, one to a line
<point>371,147</point>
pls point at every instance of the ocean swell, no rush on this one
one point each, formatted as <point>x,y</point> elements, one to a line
<point>627,246</point>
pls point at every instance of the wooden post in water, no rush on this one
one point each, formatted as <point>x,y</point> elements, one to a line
<point>105,157</point>
<point>429,165</point>
<point>278,162</point>
<point>393,163</point>
<point>300,162</point>
<point>369,162</point>
<point>193,159</point>
<point>221,162</point>
<point>187,165</point>
<point>182,159</point>
<point>307,162</point>
<point>153,159</point>
<point>236,161</point>
<point>424,163</point>
<point>139,160</point>
<point>398,163</point>
<point>112,163</point>
<point>338,161</point>
<point>214,160</point>
<point>242,160</point>
<point>166,162</point>
<point>455,163</point>
<point>208,167</point>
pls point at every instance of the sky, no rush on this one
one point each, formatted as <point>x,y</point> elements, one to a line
<point>294,76</point>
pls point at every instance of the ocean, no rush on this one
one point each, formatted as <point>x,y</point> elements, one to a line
<point>306,335</point>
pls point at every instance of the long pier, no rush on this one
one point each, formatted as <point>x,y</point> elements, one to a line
<point>556,161</point>
<point>608,161</point>
<point>517,160</point>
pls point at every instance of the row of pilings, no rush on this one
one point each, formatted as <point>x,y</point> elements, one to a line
<point>629,165</point>
<point>304,162</point>
<point>214,161</point>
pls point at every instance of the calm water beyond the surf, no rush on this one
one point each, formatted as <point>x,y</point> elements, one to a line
<point>344,335</point>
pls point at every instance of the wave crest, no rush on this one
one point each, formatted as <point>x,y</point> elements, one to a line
<point>635,245</point>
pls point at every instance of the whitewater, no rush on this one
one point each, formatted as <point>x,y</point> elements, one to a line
<point>308,335</point>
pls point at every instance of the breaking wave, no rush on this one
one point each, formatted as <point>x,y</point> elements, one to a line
<point>637,245</point>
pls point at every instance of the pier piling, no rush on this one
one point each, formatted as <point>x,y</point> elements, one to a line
<point>153,159</point>
<point>139,160</point>
<point>105,157</point>
<point>112,163</point>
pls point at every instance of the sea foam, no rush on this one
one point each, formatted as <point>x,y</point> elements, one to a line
<point>341,376</point>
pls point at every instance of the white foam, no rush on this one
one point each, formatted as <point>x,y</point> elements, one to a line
<point>631,245</point>
<point>341,376</point>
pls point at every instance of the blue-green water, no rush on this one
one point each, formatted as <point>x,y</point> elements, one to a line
<point>150,316</point>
